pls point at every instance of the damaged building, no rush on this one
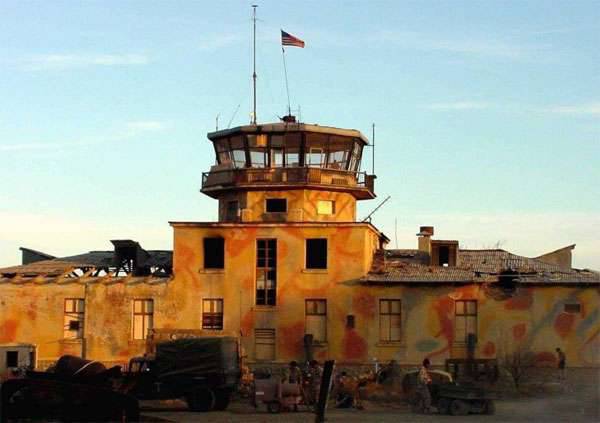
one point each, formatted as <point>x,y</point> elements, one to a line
<point>290,270</point>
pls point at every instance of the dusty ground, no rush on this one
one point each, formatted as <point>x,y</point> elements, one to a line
<point>569,405</point>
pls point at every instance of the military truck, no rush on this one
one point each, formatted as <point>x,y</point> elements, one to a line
<point>205,371</point>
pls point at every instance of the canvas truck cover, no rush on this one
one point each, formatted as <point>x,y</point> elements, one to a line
<point>201,356</point>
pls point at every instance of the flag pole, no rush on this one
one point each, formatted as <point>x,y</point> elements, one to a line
<point>254,6</point>
<point>287,87</point>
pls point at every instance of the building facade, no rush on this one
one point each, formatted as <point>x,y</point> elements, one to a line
<point>289,270</point>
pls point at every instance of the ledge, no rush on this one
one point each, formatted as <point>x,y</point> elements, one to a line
<point>211,271</point>
<point>316,271</point>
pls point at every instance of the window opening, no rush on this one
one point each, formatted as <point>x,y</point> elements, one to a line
<point>326,207</point>
<point>573,308</point>
<point>12,358</point>
<point>232,211</point>
<point>266,271</point>
<point>214,253</point>
<point>316,319</point>
<point>212,313</point>
<point>465,320</point>
<point>276,205</point>
<point>74,310</point>
<point>390,320</point>
<point>316,253</point>
<point>143,318</point>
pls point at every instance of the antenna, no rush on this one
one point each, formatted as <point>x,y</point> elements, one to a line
<point>217,121</point>
<point>396,231</point>
<point>254,6</point>
<point>232,117</point>
<point>368,218</point>
<point>373,160</point>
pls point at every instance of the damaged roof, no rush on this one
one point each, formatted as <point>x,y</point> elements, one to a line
<point>473,266</point>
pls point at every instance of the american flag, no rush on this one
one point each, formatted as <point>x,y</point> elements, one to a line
<point>290,40</point>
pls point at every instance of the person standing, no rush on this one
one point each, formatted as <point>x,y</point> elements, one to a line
<point>423,382</point>
<point>562,363</point>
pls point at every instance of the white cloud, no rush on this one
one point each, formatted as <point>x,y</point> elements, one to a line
<point>129,130</point>
<point>70,61</point>
<point>457,105</point>
<point>581,109</point>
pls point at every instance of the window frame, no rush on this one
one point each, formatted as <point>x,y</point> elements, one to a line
<point>314,266</point>
<point>271,342</point>
<point>465,315</point>
<point>332,202</point>
<point>147,317</point>
<point>389,313</point>
<point>72,312</point>
<point>322,315</point>
<point>215,317</point>
<point>266,299</point>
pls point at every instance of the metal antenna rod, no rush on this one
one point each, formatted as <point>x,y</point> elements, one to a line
<point>254,6</point>
<point>368,218</point>
<point>373,160</point>
<point>287,87</point>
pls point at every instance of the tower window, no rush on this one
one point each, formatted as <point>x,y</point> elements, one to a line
<point>276,205</point>
<point>266,271</point>
<point>326,207</point>
<point>214,253</point>
<point>316,253</point>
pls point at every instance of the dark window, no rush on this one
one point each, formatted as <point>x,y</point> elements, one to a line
<point>573,308</point>
<point>316,253</point>
<point>214,253</point>
<point>232,211</point>
<point>12,358</point>
<point>276,205</point>
<point>266,271</point>
<point>212,314</point>
<point>444,255</point>
<point>350,321</point>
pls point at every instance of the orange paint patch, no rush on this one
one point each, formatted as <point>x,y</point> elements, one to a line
<point>564,324</point>
<point>519,331</point>
<point>364,304</point>
<point>291,341</point>
<point>354,346</point>
<point>444,309</point>
<point>523,301</point>
<point>247,324</point>
<point>8,331</point>
<point>489,349</point>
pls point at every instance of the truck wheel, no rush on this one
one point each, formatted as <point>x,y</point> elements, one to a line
<point>274,407</point>
<point>459,408</point>
<point>443,406</point>
<point>489,407</point>
<point>201,399</point>
<point>222,400</point>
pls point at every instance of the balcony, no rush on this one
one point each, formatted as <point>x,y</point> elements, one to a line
<point>358,184</point>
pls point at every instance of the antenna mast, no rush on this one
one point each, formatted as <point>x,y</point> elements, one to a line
<point>254,6</point>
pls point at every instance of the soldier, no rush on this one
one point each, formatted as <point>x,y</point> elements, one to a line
<point>423,382</point>
<point>562,363</point>
<point>313,381</point>
<point>293,374</point>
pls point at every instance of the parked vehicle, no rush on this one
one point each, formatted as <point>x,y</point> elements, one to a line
<point>448,396</point>
<point>204,371</point>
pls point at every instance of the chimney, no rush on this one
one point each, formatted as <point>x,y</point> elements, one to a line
<point>424,237</point>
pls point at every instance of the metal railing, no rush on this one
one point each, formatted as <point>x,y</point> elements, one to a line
<point>291,175</point>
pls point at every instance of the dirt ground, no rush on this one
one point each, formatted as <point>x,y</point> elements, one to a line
<point>567,405</point>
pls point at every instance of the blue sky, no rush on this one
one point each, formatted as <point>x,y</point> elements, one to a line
<point>487,114</point>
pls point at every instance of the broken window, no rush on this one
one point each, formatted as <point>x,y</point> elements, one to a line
<point>264,344</point>
<point>143,318</point>
<point>390,320</point>
<point>316,253</point>
<point>573,308</point>
<point>316,319</point>
<point>266,271</point>
<point>325,207</point>
<point>276,205</point>
<point>12,358</point>
<point>73,318</point>
<point>238,151</point>
<point>465,320</point>
<point>444,255</point>
<point>212,313</point>
<point>214,253</point>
